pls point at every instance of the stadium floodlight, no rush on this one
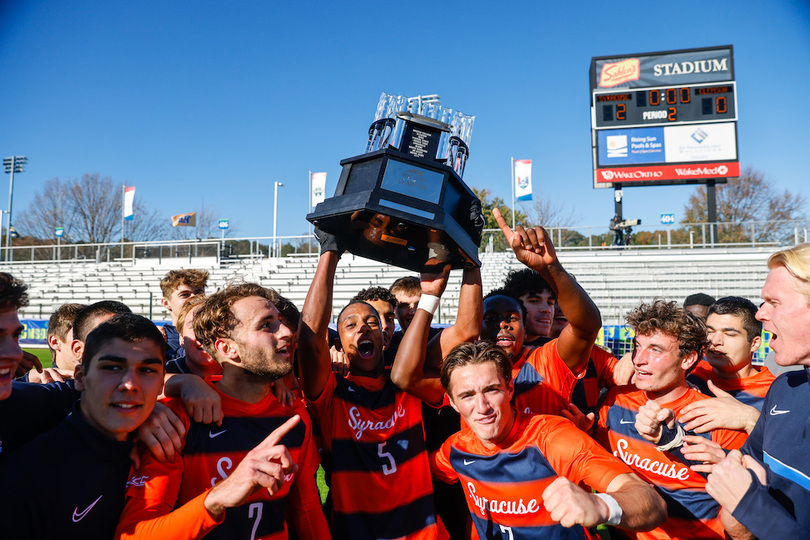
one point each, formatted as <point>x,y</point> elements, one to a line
<point>275,215</point>
<point>13,164</point>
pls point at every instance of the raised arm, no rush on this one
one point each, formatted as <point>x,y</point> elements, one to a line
<point>409,372</point>
<point>469,317</point>
<point>534,248</point>
<point>313,346</point>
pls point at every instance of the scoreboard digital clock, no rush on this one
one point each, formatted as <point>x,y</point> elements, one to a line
<point>665,105</point>
<point>665,117</point>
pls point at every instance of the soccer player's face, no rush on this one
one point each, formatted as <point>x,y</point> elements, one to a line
<point>560,322</point>
<point>503,324</point>
<point>482,397</point>
<point>786,314</point>
<point>406,308</point>
<point>195,354</point>
<point>539,313</point>
<point>386,312</point>
<point>10,351</point>
<point>659,367</point>
<point>120,386</point>
<point>729,348</point>
<point>361,337</point>
<point>263,340</point>
<point>179,297</point>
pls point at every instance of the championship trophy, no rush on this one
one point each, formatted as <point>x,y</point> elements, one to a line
<point>403,201</point>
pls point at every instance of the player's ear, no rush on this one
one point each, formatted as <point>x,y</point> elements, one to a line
<point>755,343</point>
<point>78,377</point>
<point>165,303</point>
<point>77,348</point>
<point>53,342</point>
<point>689,360</point>
<point>228,348</point>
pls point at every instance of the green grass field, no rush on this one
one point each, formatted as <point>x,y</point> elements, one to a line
<point>44,355</point>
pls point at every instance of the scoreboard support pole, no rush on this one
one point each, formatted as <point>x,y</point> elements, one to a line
<point>617,201</point>
<point>711,208</point>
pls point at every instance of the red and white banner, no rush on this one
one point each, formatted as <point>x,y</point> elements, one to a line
<point>129,201</point>
<point>687,171</point>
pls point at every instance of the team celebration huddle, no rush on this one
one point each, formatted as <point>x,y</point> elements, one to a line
<point>247,418</point>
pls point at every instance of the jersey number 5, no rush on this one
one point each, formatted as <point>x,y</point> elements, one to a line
<point>391,466</point>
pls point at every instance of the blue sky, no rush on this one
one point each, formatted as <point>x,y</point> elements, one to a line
<point>210,102</point>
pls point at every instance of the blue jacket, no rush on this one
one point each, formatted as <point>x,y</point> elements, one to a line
<point>781,442</point>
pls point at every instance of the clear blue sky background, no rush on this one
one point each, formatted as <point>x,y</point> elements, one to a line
<point>209,102</point>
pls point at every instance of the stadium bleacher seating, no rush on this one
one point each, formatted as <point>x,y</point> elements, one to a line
<point>616,280</point>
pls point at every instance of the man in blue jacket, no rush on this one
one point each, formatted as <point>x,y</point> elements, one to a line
<point>765,489</point>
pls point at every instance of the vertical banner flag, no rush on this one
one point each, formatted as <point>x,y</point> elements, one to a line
<point>318,188</point>
<point>188,219</point>
<point>523,179</point>
<point>129,199</point>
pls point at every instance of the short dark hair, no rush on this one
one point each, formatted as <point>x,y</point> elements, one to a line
<point>742,308</point>
<point>698,299</point>
<point>351,303</point>
<point>215,319</point>
<point>289,312</point>
<point>668,318</point>
<point>526,281</point>
<point>81,324</point>
<point>371,294</point>
<point>13,293</point>
<point>61,321</point>
<point>479,352</point>
<point>126,326</point>
<point>503,291</point>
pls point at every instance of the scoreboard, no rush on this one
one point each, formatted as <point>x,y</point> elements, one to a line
<point>664,118</point>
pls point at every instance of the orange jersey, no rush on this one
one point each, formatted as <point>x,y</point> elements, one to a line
<point>543,383</point>
<point>157,492</point>
<point>748,390</point>
<point>692,512</point>
<point>374,447</point>
<point>504,484</point>
<point>595,375</point>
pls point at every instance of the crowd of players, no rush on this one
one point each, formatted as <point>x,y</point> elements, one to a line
<point>508,424</point>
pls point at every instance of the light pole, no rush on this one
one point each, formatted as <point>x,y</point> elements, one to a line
<point>276,185</point>
<point>12,164</point>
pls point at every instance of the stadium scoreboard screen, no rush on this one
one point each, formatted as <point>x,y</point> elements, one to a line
<point>664,118</point>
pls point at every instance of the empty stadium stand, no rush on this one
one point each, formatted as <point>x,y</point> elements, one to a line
<point>617,280</point>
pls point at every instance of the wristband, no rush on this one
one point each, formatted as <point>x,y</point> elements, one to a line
<point>428,302</point>
<point>615,510</point>
<point>670,438</point>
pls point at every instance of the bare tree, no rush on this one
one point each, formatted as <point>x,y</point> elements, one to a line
<point>543,211</point>
<point>749,198</point>
<point>89,209</point>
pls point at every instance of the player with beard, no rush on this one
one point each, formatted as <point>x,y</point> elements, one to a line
<point>263,481</point>
<point>372,431</point>
<point>551,366</point>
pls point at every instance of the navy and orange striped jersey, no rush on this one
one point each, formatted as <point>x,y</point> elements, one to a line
<point>595,375</point>
<point>374,447</point>
<point>504,484</point>
<point>543,383</point>
<point>158,491</point>
<point>692,512</point>
<point>748,390</point>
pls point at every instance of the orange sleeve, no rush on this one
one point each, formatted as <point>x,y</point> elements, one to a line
<point>729,439</point>
<point>304,500</point>
<point>440,467</point>
<point>144,520</point>
<point>550,365</point>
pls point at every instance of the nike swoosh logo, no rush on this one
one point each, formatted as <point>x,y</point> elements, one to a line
<point>627,421</point>
<point>211,434</point>
<point>775,411</point>
<point>351,389</point>
<point>78,516</point>
<point>469,462</point>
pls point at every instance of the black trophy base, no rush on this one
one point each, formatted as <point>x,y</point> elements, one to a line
<point>394,210</point>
